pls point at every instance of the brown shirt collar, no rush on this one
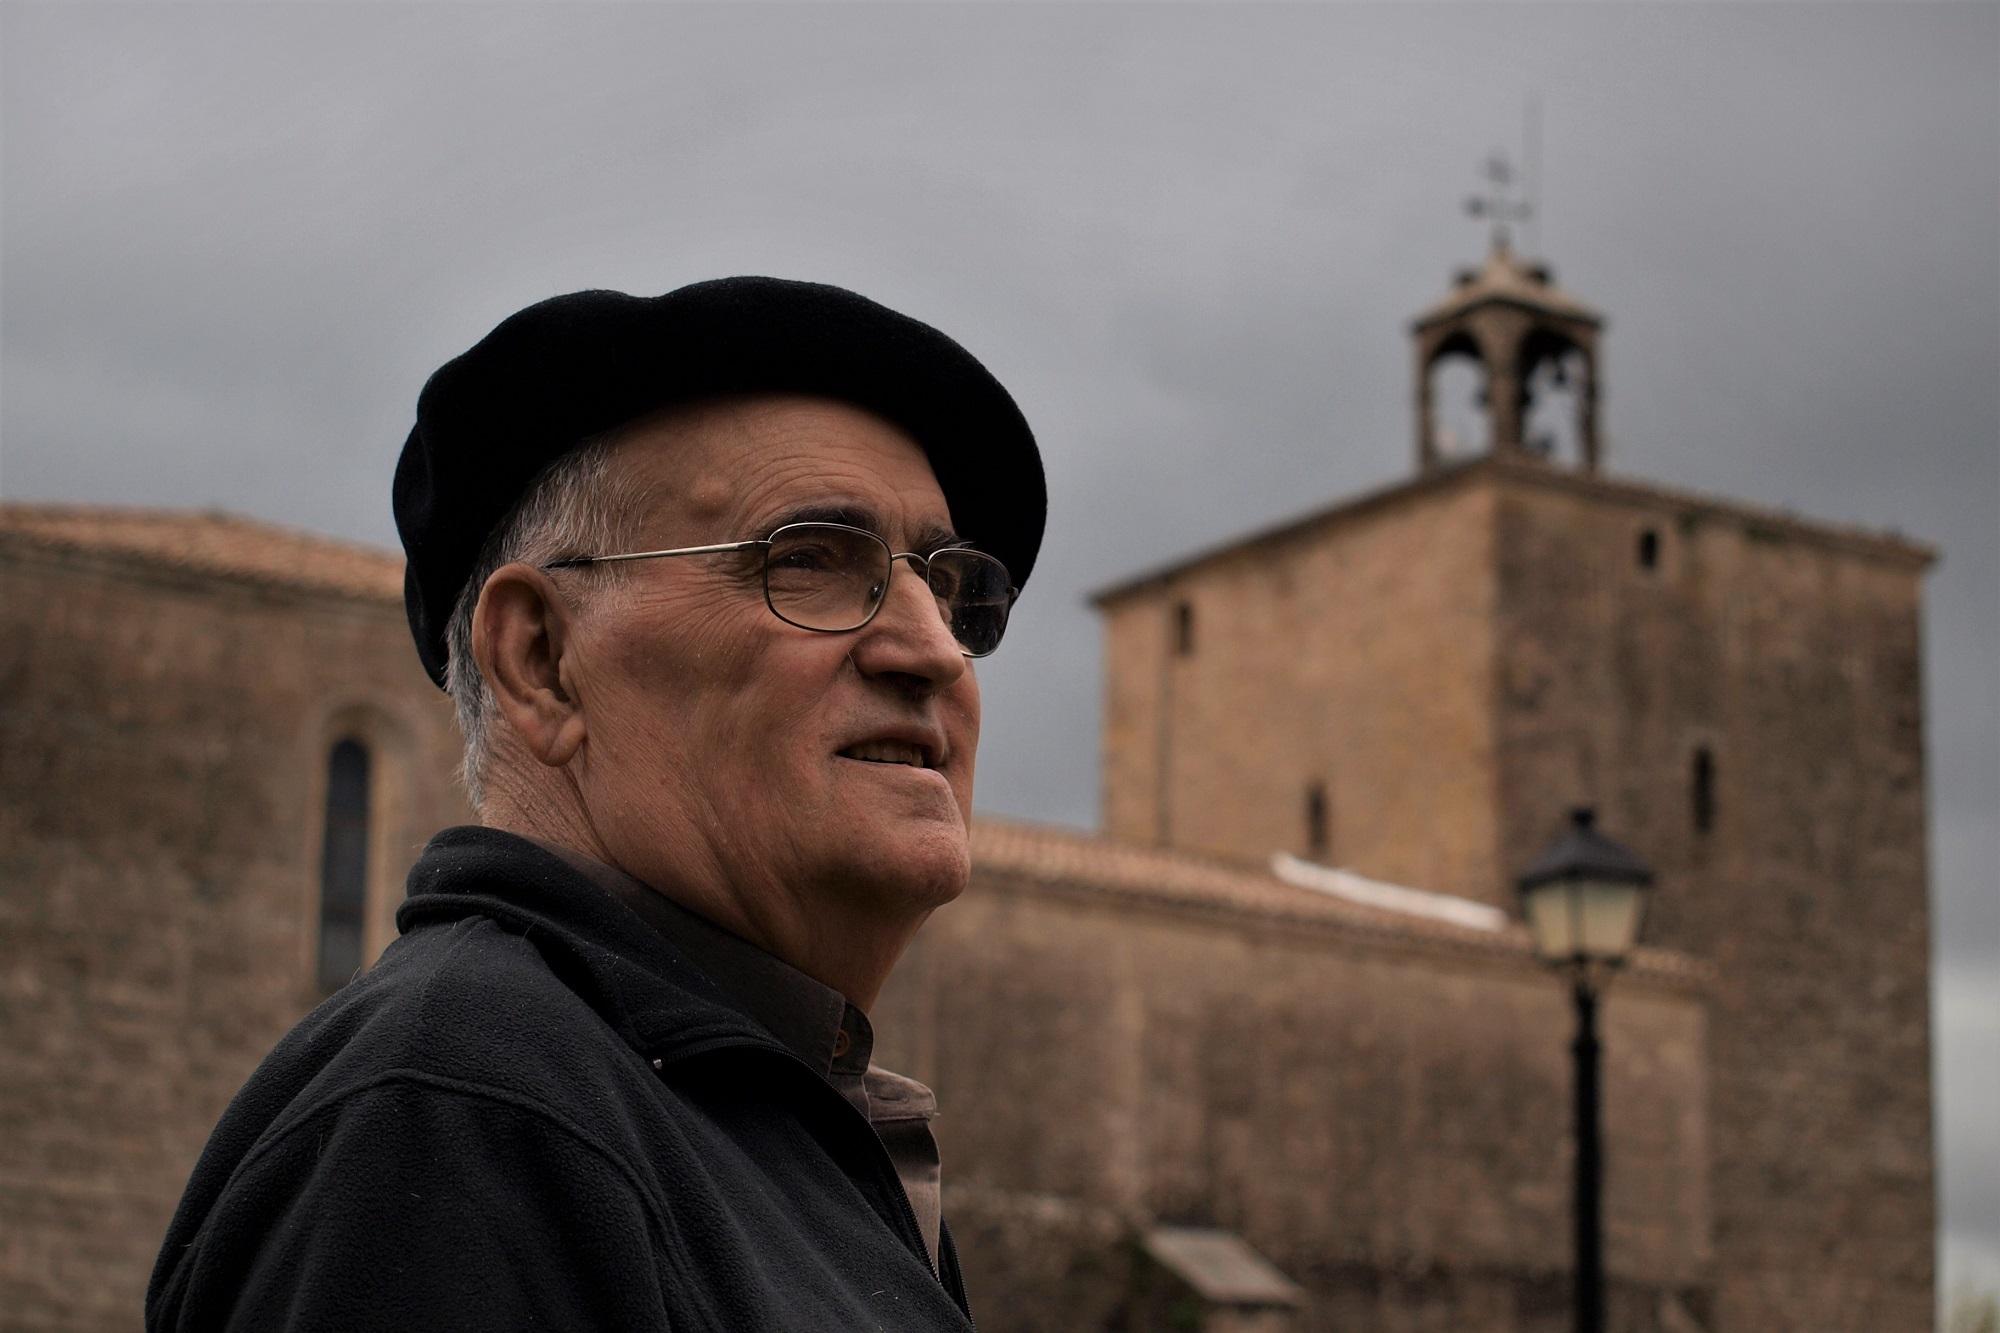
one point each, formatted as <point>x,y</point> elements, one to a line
<point>813,1021</point>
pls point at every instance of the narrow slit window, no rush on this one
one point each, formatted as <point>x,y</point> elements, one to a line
<point>1649,549</point>
<point>1318,838</point>
<point>343,868</point>
<point>1703,793</point>
<point>1183,628</point>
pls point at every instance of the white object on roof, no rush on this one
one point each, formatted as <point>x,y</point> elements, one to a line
<point>1390,897</point>
<point>1219,1266</point>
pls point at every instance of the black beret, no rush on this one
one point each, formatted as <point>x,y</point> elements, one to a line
<point>572,367</point>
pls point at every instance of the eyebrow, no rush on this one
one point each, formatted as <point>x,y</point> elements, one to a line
<point>927,539</point>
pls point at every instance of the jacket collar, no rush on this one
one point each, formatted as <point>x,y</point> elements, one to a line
<point>808,1016</point>
<point>638,979</point>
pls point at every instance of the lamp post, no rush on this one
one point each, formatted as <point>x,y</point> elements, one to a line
<point>1583,899</point>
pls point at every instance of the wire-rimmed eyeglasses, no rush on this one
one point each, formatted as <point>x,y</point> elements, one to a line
<point>832,578</point>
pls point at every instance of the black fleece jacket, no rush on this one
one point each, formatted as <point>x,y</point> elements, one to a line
<point>534,1113</point>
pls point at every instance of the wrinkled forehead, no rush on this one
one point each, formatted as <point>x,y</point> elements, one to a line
<point>715,469</point>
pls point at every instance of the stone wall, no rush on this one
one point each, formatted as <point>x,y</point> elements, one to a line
<point>1464,658</point>
<point>1354,654</point>
<point>1385,1117</point>
<point>1790,656</point>
<point>163,745</point>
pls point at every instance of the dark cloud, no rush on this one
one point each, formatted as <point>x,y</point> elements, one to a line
<point>236,238</point>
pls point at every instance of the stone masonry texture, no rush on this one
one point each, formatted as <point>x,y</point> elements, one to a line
<point>1383,1117</point>
<point>1355,655</point>
<point>1469,656</point>
<point>1146,1027</point>
<point>163,740</point>
<point>1792,659</point>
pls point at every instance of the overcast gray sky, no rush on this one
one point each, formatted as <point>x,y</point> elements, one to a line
<point>234,240</point>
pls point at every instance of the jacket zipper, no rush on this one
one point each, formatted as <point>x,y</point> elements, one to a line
<point>948,1261</point>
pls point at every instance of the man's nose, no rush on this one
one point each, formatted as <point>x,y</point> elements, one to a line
<point>908,635</point>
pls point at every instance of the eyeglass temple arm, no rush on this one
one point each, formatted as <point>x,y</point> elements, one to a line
<point>652,555</point>
<point>1012,592</point>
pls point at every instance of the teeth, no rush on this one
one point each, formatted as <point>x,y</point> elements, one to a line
<point>887,752</point>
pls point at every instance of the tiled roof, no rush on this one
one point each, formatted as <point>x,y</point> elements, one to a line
<point>1071,861</point>
<point>229,546</point>
<point>1508,277</point>
<point>211,542</point>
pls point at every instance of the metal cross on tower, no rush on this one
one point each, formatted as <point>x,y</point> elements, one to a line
<point>1499,202</point>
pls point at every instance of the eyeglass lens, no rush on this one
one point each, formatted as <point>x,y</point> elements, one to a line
<point>824,576</point>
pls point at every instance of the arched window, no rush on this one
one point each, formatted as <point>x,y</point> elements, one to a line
<point>1702,793</point>
<point>1649,549</point>
<point>1183,628</point>
<point>343,867</point>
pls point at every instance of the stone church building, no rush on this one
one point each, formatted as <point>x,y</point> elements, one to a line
<point>1272,1050</point>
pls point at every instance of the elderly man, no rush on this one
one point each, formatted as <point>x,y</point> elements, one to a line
<point>704,574</point>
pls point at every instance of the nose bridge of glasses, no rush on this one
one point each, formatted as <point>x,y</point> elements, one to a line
<point>920,564</point>
<point>942,598</point>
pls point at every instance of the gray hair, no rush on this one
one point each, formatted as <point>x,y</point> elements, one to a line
<point>568,509</point>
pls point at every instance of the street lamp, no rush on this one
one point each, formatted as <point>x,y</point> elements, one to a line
<point>1584,898</point>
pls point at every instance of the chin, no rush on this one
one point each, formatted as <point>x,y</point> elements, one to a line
<point>910,871</point>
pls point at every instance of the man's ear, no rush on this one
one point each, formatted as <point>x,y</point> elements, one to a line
<point>520,631</point>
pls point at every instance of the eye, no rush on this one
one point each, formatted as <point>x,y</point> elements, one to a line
<point>806,557</point>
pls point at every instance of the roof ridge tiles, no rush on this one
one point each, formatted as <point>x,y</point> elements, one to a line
<point>213,542</point>
<point>1078,859</point>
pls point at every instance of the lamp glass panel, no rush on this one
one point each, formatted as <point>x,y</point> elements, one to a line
<point>1551,919</point>
<point>1609,918</point>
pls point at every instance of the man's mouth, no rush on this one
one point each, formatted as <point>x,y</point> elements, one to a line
<point>888,752</point>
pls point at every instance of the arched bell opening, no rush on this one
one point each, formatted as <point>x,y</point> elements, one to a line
<point>1507,365</point>
<point>1457,392</point>
<point>1555,389</point>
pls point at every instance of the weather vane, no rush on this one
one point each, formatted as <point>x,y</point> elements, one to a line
<point>1498,202</point>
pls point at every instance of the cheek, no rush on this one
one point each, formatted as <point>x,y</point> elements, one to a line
<point>966,698</point>
<point>962,721</point>
<point>778,711</point>
<point>667,684</point>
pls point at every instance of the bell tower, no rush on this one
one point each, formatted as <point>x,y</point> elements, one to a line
<point>1532,346</point>
<point>1414,684</point>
